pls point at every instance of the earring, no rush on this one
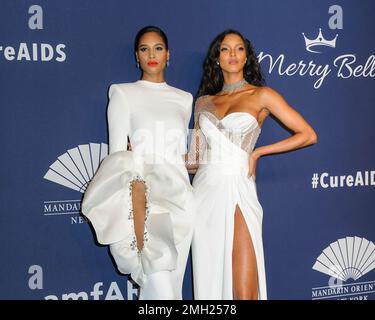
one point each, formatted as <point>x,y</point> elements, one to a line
<point>218,63</point>
<point>138,64</point>
<point>167,63</point>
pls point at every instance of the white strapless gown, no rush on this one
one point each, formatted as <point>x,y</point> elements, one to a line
<point>219,185</point>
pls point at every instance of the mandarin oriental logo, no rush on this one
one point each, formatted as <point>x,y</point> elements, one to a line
<point>318,42</point>
<point>346,260</point>
<point>75,168</point>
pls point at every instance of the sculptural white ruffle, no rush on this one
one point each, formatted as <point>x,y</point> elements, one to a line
<point>107,204</point>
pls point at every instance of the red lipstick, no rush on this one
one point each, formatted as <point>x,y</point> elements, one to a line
<point>152,63</point>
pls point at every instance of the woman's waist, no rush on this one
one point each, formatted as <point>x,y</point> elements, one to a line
<point>223,169</point>
<point>235,159</point>
<point>155,157</point>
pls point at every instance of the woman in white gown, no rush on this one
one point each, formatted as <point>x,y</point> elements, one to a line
<point>140,201</point>
<point>228,259</point>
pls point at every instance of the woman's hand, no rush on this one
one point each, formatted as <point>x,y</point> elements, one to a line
<point>191,166</point>
<point>192,169</point>
<point>253,164</point>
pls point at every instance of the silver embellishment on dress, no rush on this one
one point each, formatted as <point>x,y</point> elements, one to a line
<point>229,87</point>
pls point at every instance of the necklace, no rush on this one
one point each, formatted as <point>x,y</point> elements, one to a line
<point>233,86</point>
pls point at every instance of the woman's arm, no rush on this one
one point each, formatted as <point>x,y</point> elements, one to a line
<point>192,157</point>
<point>198,141</point>
<point>304,134</point>
<point>118,120</point>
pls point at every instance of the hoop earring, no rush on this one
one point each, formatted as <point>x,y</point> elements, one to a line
<point>167,63</point>
<point>138,64</point>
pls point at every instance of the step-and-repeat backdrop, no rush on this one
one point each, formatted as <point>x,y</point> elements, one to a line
<point>57,60</point>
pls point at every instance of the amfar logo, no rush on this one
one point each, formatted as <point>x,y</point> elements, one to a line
<point>74,169</point>
<point>35,51</point>
<point>346,259</point>
<point>344,66</point>
<point>97,293</point>
<point>36,282</point>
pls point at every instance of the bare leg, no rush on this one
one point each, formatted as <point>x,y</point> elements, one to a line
<point>139,209</point>
<point>244,264</point>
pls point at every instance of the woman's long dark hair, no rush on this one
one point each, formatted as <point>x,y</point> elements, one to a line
<point>212,79</point>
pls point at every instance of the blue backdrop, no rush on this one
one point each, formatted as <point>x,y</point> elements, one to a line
<point>57,60</point>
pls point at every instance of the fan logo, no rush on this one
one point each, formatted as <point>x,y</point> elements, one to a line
<point>74,170</point>
<point>345,261</point>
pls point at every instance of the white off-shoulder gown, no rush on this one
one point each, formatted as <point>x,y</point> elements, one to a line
<point>155,117</point>
<point>220,184</point>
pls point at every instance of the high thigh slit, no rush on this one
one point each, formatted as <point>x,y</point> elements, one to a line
<point>244,268</point>
<point>139,212</point>
<point>221,184</point>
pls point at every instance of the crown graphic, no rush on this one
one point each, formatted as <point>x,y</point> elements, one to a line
<point>319,41</point>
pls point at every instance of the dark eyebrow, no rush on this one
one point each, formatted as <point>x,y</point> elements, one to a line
<point>238,44</point>
<point>145,45</point>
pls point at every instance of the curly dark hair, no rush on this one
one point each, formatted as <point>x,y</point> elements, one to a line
<point>212,79</point>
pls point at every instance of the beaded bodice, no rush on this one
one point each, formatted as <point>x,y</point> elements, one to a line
<point>240,128</point>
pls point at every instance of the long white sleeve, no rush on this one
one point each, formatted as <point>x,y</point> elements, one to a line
<point>118,113</point>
